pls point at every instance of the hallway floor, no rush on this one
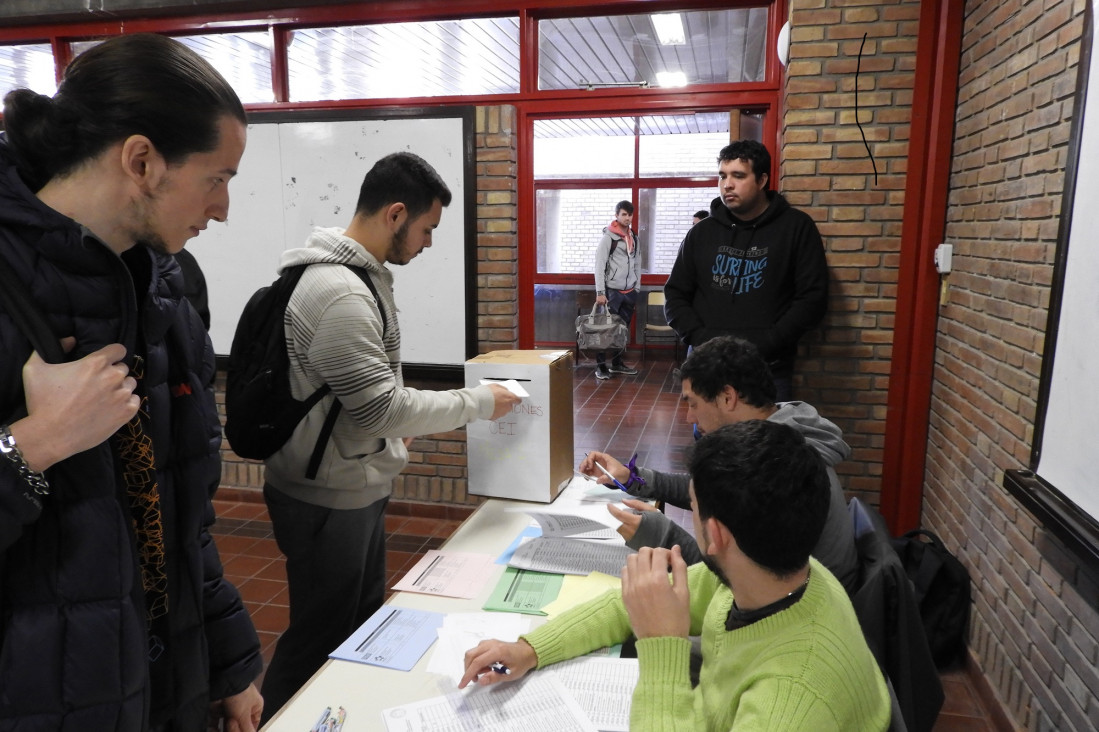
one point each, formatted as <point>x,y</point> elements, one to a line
<point>623,415</point>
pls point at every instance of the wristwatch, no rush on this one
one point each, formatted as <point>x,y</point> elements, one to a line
<point>11,451</point>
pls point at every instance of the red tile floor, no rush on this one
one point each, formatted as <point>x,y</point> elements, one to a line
<point>623,415</point>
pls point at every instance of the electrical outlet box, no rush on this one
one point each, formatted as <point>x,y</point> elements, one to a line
<point>943,254</point>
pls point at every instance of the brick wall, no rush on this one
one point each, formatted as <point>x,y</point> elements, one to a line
<point>1035,625</point>
<point>826,171</point>
<point>437,466</point>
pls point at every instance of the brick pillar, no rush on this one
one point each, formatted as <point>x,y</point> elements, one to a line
<point>826,170</point>
<point>497,227</point>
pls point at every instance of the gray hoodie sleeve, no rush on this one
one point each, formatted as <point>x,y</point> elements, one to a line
<point>602,253</point>
<point>657,530</point>
<point>673,488</point>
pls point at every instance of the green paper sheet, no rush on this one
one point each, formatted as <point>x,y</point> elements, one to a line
<point>523,591</point>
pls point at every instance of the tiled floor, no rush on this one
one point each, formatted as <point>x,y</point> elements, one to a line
<point>624,415</point>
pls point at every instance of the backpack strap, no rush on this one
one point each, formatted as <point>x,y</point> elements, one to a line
<point>22,308</point>
<point>334,411</point>
<point>364,275</point>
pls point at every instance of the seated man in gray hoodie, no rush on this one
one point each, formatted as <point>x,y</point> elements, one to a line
<point>725,381</point>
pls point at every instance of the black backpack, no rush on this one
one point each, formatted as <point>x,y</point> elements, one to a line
<point>260,412</point>
<point>943,590</point>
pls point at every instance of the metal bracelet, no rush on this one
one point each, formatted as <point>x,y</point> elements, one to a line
<point>8,448</point>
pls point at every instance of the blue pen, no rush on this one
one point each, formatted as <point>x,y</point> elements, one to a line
<point>608,474</point>
<point>320,722</point>
<point>500,668</point>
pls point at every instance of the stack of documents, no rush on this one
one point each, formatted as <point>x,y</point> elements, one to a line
<point>584,694</point>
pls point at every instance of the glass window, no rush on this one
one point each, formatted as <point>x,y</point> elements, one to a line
<point>665,216</point>
<point>244,59</point>
<point>556,308</point>
<point>435,58</point>
<point>584,148</point>
<point>653,49</point>
<point>667,164</point>
<point>570,223</point>
<point>682,145</point>
<point>27,65</point>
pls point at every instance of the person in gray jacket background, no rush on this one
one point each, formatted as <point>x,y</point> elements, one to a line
<point>725,381</point>
<point>617,279</point>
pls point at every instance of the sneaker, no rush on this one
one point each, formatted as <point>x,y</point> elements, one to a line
<point>601,373</point>
<point>621,368</point>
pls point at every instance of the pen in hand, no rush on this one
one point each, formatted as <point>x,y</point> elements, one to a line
<point>500,668</point>
<point>608,474</point>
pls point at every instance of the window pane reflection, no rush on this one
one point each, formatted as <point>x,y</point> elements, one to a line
<point>28,65</point>
<point>658,49</point>
<point>665,218</point>
<point>584,148</point>
<point>570,224</point>
<point>434,58</point>
<point>244,59</point>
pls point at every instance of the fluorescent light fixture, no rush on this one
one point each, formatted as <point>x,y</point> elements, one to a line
<point>669,28</point>
<point>671,78</point>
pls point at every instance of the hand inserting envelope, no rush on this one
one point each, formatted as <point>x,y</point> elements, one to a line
<point>511,385</point>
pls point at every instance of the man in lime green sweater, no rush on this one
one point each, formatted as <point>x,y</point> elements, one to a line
<point>786,654</point>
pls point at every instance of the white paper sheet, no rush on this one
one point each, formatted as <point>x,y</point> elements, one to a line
<point>511,385</point>
<point>535,703</point>
<point>462,631</point>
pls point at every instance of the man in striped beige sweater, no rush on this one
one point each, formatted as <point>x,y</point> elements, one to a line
<point>332,527</point>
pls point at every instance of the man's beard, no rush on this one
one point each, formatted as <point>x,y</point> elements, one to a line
<point>143,231</point>
<point>712,566</point>
<point>397,253</point>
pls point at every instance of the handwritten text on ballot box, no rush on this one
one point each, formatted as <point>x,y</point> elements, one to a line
<point>527,454</point>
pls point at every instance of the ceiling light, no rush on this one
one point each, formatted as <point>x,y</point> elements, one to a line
<point>669,29</point>
<point>671,78</point>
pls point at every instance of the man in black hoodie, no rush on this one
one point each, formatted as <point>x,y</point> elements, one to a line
<point>755,268</point>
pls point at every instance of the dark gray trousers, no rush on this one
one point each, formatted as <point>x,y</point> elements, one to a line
<point>335,572</point>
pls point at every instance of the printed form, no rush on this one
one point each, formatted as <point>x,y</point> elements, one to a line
<point>393,637</point>
<point>559,525</point>
<point>602,686</point>
<point>535,703</point>
<point>571,556</point>
<point>450,574</point>
<point>520,591</point>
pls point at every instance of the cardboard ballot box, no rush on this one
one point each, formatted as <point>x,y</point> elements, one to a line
<point>527,454</point>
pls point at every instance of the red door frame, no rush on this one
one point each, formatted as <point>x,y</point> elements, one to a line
<point>930,149</point>
<point>663,104</point>
<point>764,95</point>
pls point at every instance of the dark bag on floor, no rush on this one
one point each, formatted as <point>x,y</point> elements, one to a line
<point>260,411</point>
<point>943,590</point>
<point>601,331</point>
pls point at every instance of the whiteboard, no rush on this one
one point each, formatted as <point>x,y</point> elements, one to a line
<point>302,171</point>
<point>1071,420</point>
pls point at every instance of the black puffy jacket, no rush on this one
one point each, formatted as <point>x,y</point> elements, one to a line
<point>73,641</point>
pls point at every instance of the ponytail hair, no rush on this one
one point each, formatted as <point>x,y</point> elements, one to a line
<point>139,84</point>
